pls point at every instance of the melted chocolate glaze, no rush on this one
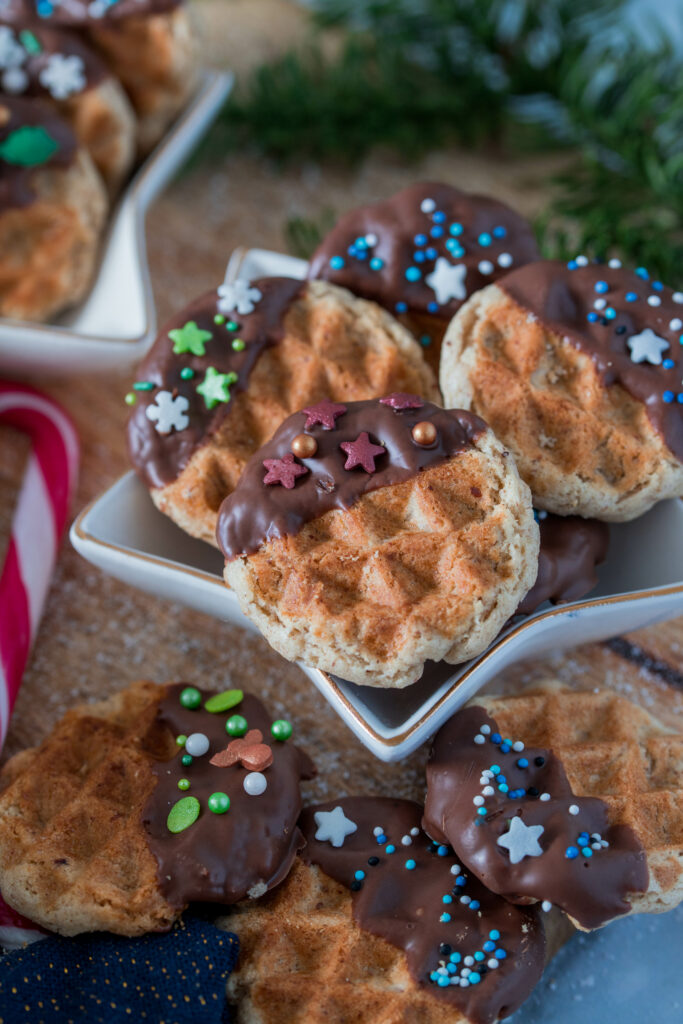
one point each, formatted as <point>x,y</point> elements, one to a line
<point>592,890</point>
<point>57,41</point>
<point>159,458</point>
<point>571,548</point>
<point>404,906</point>
<point>221,857</point>
<point>397,221</point>
<point>81,12</point>
<point>16,183</point>
<point>256,513</point>
<point>562,299</point>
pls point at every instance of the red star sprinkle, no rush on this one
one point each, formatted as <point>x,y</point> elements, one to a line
<point>283,471</point>
<point>324,413</point>
<point>401,400</point>
<point>362,452</point>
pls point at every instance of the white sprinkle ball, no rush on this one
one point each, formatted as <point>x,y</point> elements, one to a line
<point>486,267</point>
<point>677,297</point>
<point>581,261</point>
<point>518,746</point>
<point>544,797</point>
<point>675,324</point>
<point>600,303</point>
<point>377,830</point>
<point>478,801</point>
<point>255,783</point>
<point>414,831</point>
<point>197,744</point>
<point>469,962</point>
<point>486,729</point>
<point>546,905</point>
<point>505,260</point>
<point>492,963</point>
<point>614,264</point>
<point>455,869</point>
<point>654,300</point>
<point>488,791</point>
<point>480,739</point>
<point>371,239</point>
<point>406,841</point>
<point>573,809</point>
<point>465,899</point>
<point>427,205</point>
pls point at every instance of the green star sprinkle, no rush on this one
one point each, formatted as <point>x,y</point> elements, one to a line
<point>28,146</point>
<point>215,387</point>
<point>183,814</point>
<point>190,338</point>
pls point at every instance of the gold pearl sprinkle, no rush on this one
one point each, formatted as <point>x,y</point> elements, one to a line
<point>304,446</point>
<point>424,433</point>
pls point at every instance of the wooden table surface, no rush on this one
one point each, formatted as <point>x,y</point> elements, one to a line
<point>97,634</point>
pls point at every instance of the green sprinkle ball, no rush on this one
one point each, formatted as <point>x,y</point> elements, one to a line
<point>281,730</point>
<point>219,803</point>
<point>232,326</point>
<point>186,760</point>
<point>223,701</point>
<point>181,740</point>
<point>183,814</point>
<point>219,319</point>
<point>187,373</point>
<point>183,783</point>
<point>236,725</point>
<point>238,345</point>
<point>190,698</point>
<point>130,398</point>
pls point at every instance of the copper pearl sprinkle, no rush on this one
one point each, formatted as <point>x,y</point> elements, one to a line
<point>304,446</point>
<point>424,433</point>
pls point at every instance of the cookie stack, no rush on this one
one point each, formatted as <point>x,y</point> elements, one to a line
<point>366,908</point>
<point>85,88</point>
<point>366,529</point>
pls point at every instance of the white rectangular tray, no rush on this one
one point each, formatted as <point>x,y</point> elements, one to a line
<point>116,323</point>
<point>640,583</point>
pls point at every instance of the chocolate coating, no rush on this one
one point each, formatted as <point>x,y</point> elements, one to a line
<point>592,890</point>
<point>404,906</point>
<point>159,458</point>
<point>82,12</point>
<point>53,41</point>
<point>221,857</point>
<point>16,182</point>
<point>571,548</point>
<point>562,299</point>
<point>256,513</point>
<point>397,221</point>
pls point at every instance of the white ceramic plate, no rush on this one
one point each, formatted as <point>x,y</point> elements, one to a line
<point>104,332</point>
<point>640,583</point>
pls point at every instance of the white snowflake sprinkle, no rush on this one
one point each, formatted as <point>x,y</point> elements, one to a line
<point>238,297</point>
<point>168,413</point>
<point>63,76</point>
<point>12,53</point>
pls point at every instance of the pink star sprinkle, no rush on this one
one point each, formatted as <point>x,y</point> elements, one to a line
<point>283,471</point>
<point>324,413</point>
<point>362,452</point>
<point>401,400</point>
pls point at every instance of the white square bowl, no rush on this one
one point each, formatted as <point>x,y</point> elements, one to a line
<point>640,583</point>
<point>104,332</point>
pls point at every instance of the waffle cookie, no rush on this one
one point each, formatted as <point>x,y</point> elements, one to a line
<point>376,923</point>
<point>369,537</point>
<point>52,211</point>
<point>150,46</point>
<point>138,805</point>
<point>58,66</point>
<point>581,807</point>
<point>422,252</point>
<point>577,368</point>
<point>227,370</point>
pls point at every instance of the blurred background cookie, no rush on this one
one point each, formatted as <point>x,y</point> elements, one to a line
<point>53,206</point>
<point>226,371</point>
<point>422,252</point>
<point>577,367</point>
<point>574,799</point>
<point>57,65</point>
<point>137,805</point>
<point>151,46</point>
<point>370,537</point>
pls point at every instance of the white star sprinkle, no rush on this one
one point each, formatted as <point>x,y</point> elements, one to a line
<point>521,840</point>
<point>447,280</point>
<point>238,296</point>
<point>168,413</point>
<point>63,76</point>
<point>647,347</point>
<point>333,826</point>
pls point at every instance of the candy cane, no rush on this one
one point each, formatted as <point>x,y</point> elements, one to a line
<point>38,523</point>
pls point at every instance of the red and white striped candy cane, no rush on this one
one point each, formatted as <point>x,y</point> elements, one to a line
<point>39,521</point>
